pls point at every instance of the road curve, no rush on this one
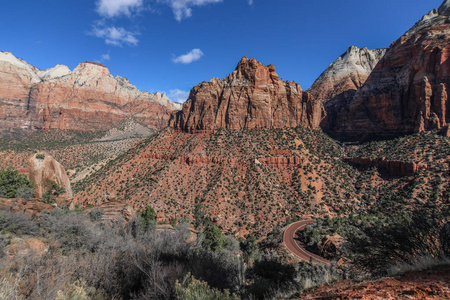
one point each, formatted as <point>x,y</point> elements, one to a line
<point>296,247</point>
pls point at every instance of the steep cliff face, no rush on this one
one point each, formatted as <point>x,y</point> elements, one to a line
<point>44,169</point>
<point>252,96</point>
<point>344,76</point>
<point>407,91</point>
<point>87,98</point>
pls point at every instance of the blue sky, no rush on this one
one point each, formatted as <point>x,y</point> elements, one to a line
<point>172,45</point>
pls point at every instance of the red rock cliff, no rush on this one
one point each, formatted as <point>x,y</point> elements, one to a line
<point>88,98</point>
<point>253,96</point>
<point>408,90</point>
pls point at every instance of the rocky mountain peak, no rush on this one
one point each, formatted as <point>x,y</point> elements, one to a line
<point>252,96</point>
<point>91,69</point>
<point>254,71</point>
<point>55,72</point>
<point>347,73</point>
<point>435,17</point>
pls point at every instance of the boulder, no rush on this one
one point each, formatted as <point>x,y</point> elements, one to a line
<point>44,170</point>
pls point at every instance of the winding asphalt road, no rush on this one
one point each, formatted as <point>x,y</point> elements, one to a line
<point>296,247</point>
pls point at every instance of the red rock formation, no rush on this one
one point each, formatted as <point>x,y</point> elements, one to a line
<point>252,96</point>
<point>281,162</point>
<point>31,206</point>
<point>115,211</point>
<point>89,98</point>
<point>408,90</point>
<point>43,170</point>
<point>393,167</point>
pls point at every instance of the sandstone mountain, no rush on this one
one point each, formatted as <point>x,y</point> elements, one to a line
<point>44,170</point>
<point>87,98</point>
<point>344,76</point>
<point>253,96</point>
<point>407,91</point>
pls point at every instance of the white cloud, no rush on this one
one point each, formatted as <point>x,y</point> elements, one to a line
<point>250,2</point>
<point>193,55</point>
<point>178,95</point>
<point>116,36</point>
<point>114,8</point>
<point>105,56</point>
<point>183,8</point>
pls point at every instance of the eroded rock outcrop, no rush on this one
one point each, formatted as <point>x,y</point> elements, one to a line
<point>253,96</point>
<point>87,98</point>
<point>407,91</point>
<point>344,76</point>
<point>30,206</point>
<point>392,167</point>
<point>44,170</point>
<point>115,211</point>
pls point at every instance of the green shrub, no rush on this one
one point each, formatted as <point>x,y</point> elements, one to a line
<point>54,190</point>
<point>214,239</point>
<point>148,216</point>
<point>13,184</point>
<point>40,156</point>
<point>193,289</point>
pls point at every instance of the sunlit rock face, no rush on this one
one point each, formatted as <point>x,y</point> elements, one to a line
<point>407,91</point>
<point>253,96</point>
<point>88,98</point>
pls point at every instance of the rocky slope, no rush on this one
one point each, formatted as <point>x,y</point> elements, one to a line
<point>427,284</point>
<point>408,89</point>
<point>253,96</point>
<point>87,98</point>
<point>344,76</point>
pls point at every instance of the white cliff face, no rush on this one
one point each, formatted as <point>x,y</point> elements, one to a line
<point>434,17</point>
<point>348,72</point>
<point>88,98</point>
<point>55,72</point>
<point>9,63</point>
<point>86,75</point>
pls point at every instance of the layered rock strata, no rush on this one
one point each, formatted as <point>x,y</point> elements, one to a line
<point>407,91</point>
<point>87,98</point>
<point>253,96</point>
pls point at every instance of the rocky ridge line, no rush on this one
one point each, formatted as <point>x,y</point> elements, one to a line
<point>253,96</point>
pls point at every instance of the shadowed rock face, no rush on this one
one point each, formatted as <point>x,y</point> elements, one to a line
<point>88,98</point>
<point>407,91</point>
<point>252,96</point>
<point>47,169</point>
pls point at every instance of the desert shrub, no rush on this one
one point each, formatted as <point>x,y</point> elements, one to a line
<point>17,223</point>
<point>11,182</point>
<point>2,245</point>
<point>192,289</point>
<point>53,191</point>
<point>40,156</point>
<point>148,216</point>
<point>9,287</point>
<point>70,229</point>
<point>222,270</point>
<point>95,215</point>
<point>249,248</point>
<point>401,239</point>
<point>214,238</point>
<point>268,276</point>
<point>312,275</point>
<point>445,238</point>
